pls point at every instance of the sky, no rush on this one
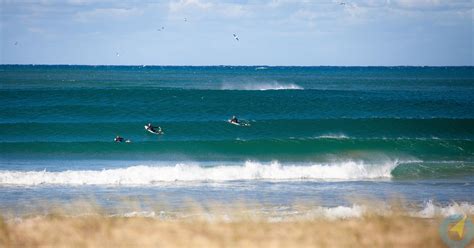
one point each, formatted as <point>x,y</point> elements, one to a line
<point>270,32</point>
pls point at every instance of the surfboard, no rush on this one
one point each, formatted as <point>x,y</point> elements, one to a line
<point>234,123</point>
<point>153,132</point>
<point>241,123</point>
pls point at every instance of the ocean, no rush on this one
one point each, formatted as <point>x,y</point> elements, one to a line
<point>330,137</point>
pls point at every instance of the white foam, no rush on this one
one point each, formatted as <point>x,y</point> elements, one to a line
<point>288,213</point>
<point>273,215</point>
<point>147,175</point>
<point>339,212</point>
<point>431,210</point>
<point>260,86</point>
<point>428,210</point>
<point>333,136</point>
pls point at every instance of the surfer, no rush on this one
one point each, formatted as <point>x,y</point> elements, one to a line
<point>119,139</point>
<point>234,120</point>
<point>152,128</point>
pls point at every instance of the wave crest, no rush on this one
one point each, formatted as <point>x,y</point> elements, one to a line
<point>333,136</point>
<point>261,86</point>
<point>149,175</point>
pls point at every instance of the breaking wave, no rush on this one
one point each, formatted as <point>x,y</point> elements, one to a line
<point>333,136</point>
<point>260,86</point>
<point>149,175</point>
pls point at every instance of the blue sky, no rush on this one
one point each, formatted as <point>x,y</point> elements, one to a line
<point>319,32</point>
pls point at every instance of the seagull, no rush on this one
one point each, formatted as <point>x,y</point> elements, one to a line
<point>16,43</point>
<point>342,3</point>
<point>185,19</point>
<point>160,29</point>
<point>117,54</point>
<point>236,37</point>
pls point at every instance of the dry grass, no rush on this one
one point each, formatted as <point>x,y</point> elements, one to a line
<point>101,231</point>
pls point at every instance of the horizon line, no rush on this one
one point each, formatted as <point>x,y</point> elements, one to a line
<point>230,65</point>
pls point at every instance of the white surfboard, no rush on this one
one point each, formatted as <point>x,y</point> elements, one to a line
<point>241,123</point>
<point>234,123</point>
<point>153,132</point>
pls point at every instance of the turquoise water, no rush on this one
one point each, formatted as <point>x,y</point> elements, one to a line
<point>405,130</point>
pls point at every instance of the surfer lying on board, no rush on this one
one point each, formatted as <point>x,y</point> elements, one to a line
<point>234,120</point>
<point>152,128</point>
<point>119,139</point>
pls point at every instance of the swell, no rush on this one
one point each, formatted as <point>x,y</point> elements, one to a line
<point>434,169</point>
<point>114,105</point>
<point>206,77</point>
<point>267,149</point>
<point>109,96</point>
<point>449,129</point>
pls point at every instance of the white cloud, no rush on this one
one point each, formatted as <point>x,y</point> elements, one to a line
<point>83,2</point>
<point>233,10</point>
<point>420,5</point>
<point>312,17</point>
<point>417,4</point>
<point>106,13</point>
<point>199,9</point>
<point>181,5</point>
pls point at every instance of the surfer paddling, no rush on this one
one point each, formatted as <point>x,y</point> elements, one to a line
<point>237,122</point>
<point>234,120</point>
<point>150,128</point>
<point>119,139</point>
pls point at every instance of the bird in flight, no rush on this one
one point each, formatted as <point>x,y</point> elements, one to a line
<point>236,37</point>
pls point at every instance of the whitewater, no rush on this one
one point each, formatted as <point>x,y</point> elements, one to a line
<point>149,175</point>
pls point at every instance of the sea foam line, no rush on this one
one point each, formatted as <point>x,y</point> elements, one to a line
<point>277,214</point>
<point>149,175</point>
<point>260,86</point>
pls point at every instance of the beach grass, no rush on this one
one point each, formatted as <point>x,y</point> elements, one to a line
<point>98,230</point>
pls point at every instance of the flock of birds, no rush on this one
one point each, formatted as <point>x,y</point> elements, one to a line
<point>162,28</point>
<point>185,20</point>
<point>236,37</point>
